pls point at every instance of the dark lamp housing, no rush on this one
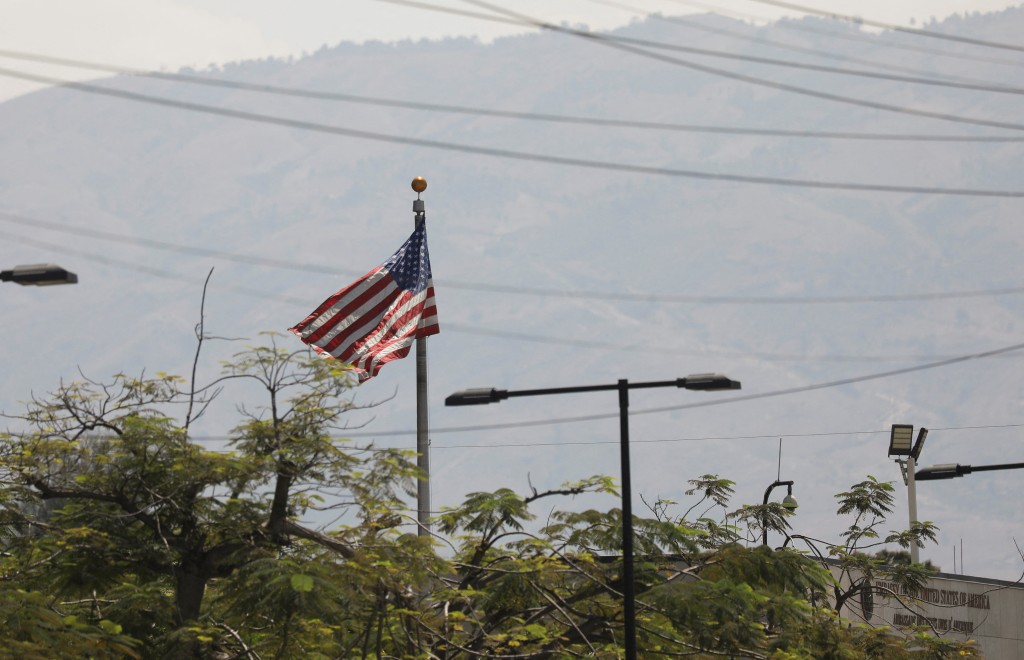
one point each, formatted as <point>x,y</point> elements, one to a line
<point>38,275</point>
<point>901,440</point>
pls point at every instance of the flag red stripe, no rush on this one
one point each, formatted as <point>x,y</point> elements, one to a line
<point>400,321</point>
<point>364,321</point>
<point>326,305</point>
<point>372,290</point>
<point>375,319</point>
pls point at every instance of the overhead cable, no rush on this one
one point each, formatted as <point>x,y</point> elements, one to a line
<point>722,401</point>
<point>711,438</point>
<point>743,36</point>
<point>858,20</point>
<point>724,73</point>
<point>761,436</point>
<point>802,26</point>
<point>510,154</point>
<point>493,112</point>
<point>456,327</point>
<point>915,79</point>
<point>605,295</point>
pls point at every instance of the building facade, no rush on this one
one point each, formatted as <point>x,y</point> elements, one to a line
<point>990,612</point>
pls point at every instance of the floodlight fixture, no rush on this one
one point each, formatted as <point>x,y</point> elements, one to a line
<point>922,434</point>
<point>901,440</point>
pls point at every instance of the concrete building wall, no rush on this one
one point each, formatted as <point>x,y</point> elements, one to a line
<point>990,612</point>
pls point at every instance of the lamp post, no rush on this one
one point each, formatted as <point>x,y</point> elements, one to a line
<point>789,502</point>
<point>706,382</point>
<point>900,439</point>
<point>954,470</point>
<point>38,275</point>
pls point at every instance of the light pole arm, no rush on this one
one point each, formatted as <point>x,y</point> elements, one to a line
<point>483,395</point>
<point>954,470</point>
<point>767,492</point>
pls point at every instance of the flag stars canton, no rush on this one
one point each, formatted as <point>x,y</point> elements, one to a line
<point>410,266</point>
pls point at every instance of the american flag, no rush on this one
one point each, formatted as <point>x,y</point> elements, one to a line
<point>375,319</point>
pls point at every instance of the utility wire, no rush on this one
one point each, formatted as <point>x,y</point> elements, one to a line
<point>857,20</point>
<point>724,73</point>
<point>840,434</point>
<point>725,401</point>
<point>450,326</point>
<point>846,36</point>
<point>511,154</point>
<point>772,43</point>
<point>705,404</point>
<point>571,443</point>
<point>491,112</point>
<point>918,80</point>
<point>603,295</point>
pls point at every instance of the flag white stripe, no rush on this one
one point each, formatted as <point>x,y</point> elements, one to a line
<point>359,315</point>
<point>363,286</point>
<point>395,312</point>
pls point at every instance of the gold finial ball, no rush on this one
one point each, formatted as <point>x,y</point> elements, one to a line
<point>419,184</point>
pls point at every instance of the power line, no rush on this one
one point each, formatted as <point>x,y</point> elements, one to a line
<point>844,36</point>
<point>714,402</point>
<point>857,20</point>
<point>305,266</point>
<point>511,154</point>
<point>576,443</point>
<point>764,436</point>
<point>504,114</point>
<point>478,331</point>
<point>647,43</point>
<point>715,71</point>
<point>668,350</point>
<point>697,25</point>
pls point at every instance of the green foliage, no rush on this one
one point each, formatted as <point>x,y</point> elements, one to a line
<point>149,544</point>
<point>31,629</point>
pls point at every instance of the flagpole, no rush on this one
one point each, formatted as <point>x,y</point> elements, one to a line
<point>419,184</point>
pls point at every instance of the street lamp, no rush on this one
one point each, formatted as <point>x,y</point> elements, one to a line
<point>900,445</point>
<point>954,470</point>
<point>705,382</point>
<point>38,275</point>
<point>788,502</point>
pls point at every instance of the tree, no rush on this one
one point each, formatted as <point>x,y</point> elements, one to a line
<point>149,517</point>
<point>869,502</point>
<point>132,538</point>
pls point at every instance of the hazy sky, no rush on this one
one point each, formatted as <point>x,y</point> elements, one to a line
<point>168,34</point>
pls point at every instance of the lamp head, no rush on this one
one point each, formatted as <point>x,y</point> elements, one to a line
<point>922,434</point>
<point>708,382</point>
<point>39,275</point>
<point>789,502</point>
<point>901,439</point>
<point>942,471</point>
<point>476,396</point>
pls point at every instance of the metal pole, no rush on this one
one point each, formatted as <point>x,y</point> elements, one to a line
<point>767,492</point>
<point>912,497</point>
<point>422,426</point>
<point>628,583</point>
